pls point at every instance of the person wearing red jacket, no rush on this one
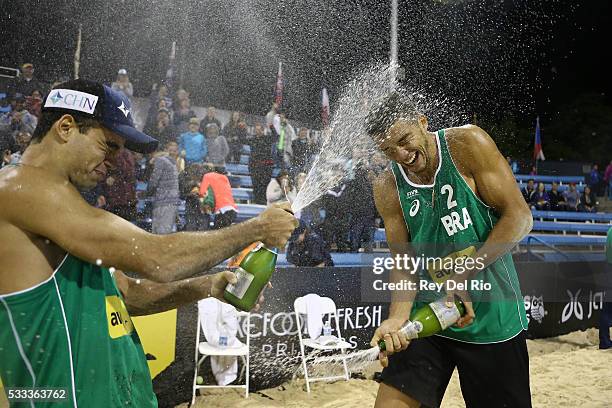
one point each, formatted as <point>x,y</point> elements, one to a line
<point>216,197</point>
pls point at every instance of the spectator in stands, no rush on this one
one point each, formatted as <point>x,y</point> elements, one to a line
<point>307,248</point>
<point>557,202</point>
<point>123,84</point>
<point>529,191</point>
<point>284,135</point>
<point>173,152</point>
<point>540,199</point>
<point>335,226</point>
<point>183,116</point>
<point>163,190</point>
<point>180,96</point>
<point>34,103</point>
<point>572,198</point>
<point>22,141</point>
<point>277,186</point>
<point>192,144</point>
<point>608,179</point>
<point>270,115</point>
<point>159,99</point>
<point>217,197</point>
<point>302,149</point>
<point>217,147</point>
<point>534,171</point>
<point>211,117</point>
<point>595,179</point>
<point>18,119</point>
<point>164,131</point>
<point>362,212</point>
<point>25,84</point>
<point>189,186</point>
<point>235,134</point>
<point>513,164</point>
<point>119,188</point>
<point>588,201</point>
<point>260,162</point>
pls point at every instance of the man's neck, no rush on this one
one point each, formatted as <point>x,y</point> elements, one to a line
<point>43,156</point>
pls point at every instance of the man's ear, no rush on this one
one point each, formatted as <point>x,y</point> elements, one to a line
<point>64,126</point>
<point>423,122</point>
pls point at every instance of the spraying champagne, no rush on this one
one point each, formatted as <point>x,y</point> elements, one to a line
<point>430,319</point>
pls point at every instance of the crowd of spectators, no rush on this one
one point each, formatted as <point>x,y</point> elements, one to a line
<point>191,161</point>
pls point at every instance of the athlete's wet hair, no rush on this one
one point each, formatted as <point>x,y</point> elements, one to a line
<point>48,119</point>
<point>396,105</point>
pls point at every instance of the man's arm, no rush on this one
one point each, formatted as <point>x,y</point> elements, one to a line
<point>57,211</point>
<point>477,157</point>
<point>144,297</point>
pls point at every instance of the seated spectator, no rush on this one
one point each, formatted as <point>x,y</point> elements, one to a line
<point>25,84</point>
<point>162,187</point>
<point>18,118</point>
<point>22,141</point>
<point>306,248</point>
<point>217,147</point>
<point>159,99</point>
<point>217,197</point>
<point>529,191</point>
<point>540,199</point>
<point>556,199</point>
<point>260,162</point>
<point>34,103</point>
<point>164,131</point>
<point>275,191</point>
<point>189,187</point>
<point>173,152</point>
<point>211,117</point>
<point>572,198</point>
<point>284,135</point>
<point>588,201</point>
<point>235,134</point>
<point>123,84</point>
<point>302,149</point>
<point>534,171</point>
<point>181,95</point>
<point>192,144</point>
<point>183,115</point>
<point>119,188</point>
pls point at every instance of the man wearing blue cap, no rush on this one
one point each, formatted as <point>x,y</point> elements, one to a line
<point>64,305</point>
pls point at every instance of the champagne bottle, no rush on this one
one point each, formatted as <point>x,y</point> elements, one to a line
<point>253,274</point>
<point>430,319</point>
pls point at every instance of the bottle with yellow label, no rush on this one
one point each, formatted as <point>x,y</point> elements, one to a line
<point>430,319</point>
<point>253,274</point>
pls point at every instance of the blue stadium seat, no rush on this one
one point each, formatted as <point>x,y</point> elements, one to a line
<point>246,149</point>
<point>572,216</point>
<point>242,194</point>
<point>241,181</point>
<point>523,178</point>
<point>573,240</point>
<point>579,227</point>
<point>237,168</point>
<point>244,159</point>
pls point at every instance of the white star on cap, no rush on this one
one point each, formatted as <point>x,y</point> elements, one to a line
<point>123,109</point>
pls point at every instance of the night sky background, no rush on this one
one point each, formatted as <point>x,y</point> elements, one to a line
<point>503,61</point>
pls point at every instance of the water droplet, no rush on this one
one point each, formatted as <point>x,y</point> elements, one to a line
<point>111,269</point>
<point>138,281</point>
<point>98,262</point>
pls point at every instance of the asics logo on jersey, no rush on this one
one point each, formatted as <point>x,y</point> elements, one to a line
<point>414,208</point>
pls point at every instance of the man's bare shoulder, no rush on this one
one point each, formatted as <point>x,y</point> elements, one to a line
<point>18,184</point>
<point>470,146</point>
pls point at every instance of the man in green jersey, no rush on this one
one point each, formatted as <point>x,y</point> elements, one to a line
<point>64,305</point>
<point>451,189</point>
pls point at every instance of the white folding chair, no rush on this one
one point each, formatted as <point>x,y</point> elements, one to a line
<point>327,307</point>
<point>205,349</point>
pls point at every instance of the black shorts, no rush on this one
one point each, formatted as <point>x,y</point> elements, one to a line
<point>491,375</point>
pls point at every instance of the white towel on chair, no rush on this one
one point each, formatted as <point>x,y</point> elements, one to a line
<point>314,316</point>
<point>216,316</point>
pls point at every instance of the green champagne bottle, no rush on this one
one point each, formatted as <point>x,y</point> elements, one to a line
<point>253,274</point>
<point>430,319</point>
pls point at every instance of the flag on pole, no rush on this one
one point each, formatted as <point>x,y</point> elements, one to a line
<point>278,89</point>
<point>324,108</point>
<point>538,153</point>
<point>171,71</point>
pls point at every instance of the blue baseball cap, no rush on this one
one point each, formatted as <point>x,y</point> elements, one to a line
<point>97,101</point>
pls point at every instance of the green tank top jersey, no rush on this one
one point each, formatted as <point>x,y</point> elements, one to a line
<point>447,218</point>
<point>73,332</point>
